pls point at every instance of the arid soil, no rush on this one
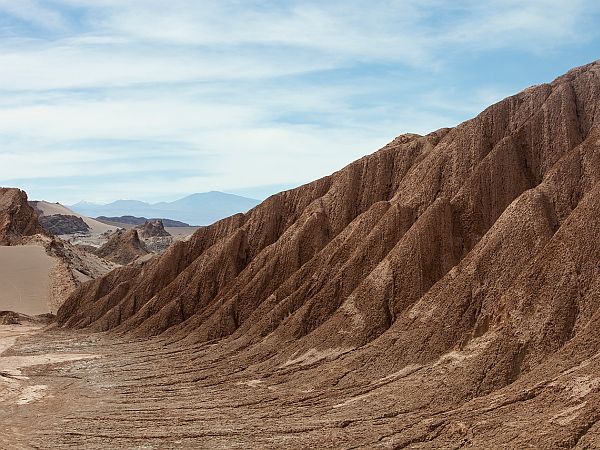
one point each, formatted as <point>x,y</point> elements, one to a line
<point>440,293</point>
<point>25,279</point>
<point>130,394</point>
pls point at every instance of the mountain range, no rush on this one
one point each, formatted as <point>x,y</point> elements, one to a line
<point>196,209</point>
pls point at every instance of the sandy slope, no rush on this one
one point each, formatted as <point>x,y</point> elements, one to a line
<point>50,209</point>
<point>181,233</point>
<point>24,279</point>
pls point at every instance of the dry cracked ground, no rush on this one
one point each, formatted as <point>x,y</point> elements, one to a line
<point>78,390</point>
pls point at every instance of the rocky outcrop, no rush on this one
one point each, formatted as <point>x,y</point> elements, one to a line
<point>123,247</point>
<point>17,218</point>
<point>152,228</point>
<point>62,224</point>
<point>469,255</point>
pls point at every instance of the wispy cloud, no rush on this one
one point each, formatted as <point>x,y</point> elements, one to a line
<point>33,12</point>
<point>232,94</point>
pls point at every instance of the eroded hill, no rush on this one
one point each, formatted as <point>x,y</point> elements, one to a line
<point>441,292</point>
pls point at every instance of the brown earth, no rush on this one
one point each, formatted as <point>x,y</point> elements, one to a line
<point>440,293</point>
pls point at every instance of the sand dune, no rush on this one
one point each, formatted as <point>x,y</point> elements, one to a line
<point>24,279</point>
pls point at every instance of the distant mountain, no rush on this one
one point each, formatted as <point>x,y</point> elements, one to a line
<point>196,209</point>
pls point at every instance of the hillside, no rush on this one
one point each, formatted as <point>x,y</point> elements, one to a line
<point>442,292</point>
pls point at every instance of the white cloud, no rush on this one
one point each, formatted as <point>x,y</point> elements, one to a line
<point>33,12</point>
<point>232,91</point>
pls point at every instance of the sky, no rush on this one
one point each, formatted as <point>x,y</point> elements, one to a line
<point>153,100</point>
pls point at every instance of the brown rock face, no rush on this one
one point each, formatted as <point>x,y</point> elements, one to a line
<point>471,255</point>
<point>152,228</point>
<point>123,247</point>
<point>60,224</point>
<point>17,218</point>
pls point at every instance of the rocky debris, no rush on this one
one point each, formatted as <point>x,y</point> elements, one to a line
<point>61,224</point>
<point>158,245</point>
<point>441,292</point>
<point>10,318</point>
<point>123,247</point>
<point>132,220</point>
<point>17,217</point>
<point>152,228</point>
<point>155,237</point>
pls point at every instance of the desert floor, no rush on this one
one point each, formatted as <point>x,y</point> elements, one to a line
<point>65,389</point>
<point>24,279</point>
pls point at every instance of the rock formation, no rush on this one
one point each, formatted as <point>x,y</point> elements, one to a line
<point>17,218</point>
<point>468,257</point>
<point>152,228</point>
<point>61,224</point>
<point>123,247</point>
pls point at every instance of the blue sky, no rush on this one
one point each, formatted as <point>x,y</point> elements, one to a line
<point>153,100</point>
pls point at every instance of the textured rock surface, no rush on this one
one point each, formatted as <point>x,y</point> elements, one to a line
<point>152,228</point>
<point>123,247</point>
<point>17,218</point>
<point>61,224</point>
<point>442,292</point>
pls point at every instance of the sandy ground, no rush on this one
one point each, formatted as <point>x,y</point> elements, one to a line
<point>181,232</point>
<point>65,389</point>
<point>24,279</point>
<point>17,390</point>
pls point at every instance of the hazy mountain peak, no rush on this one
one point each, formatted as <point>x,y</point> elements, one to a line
<point>201,208</point>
